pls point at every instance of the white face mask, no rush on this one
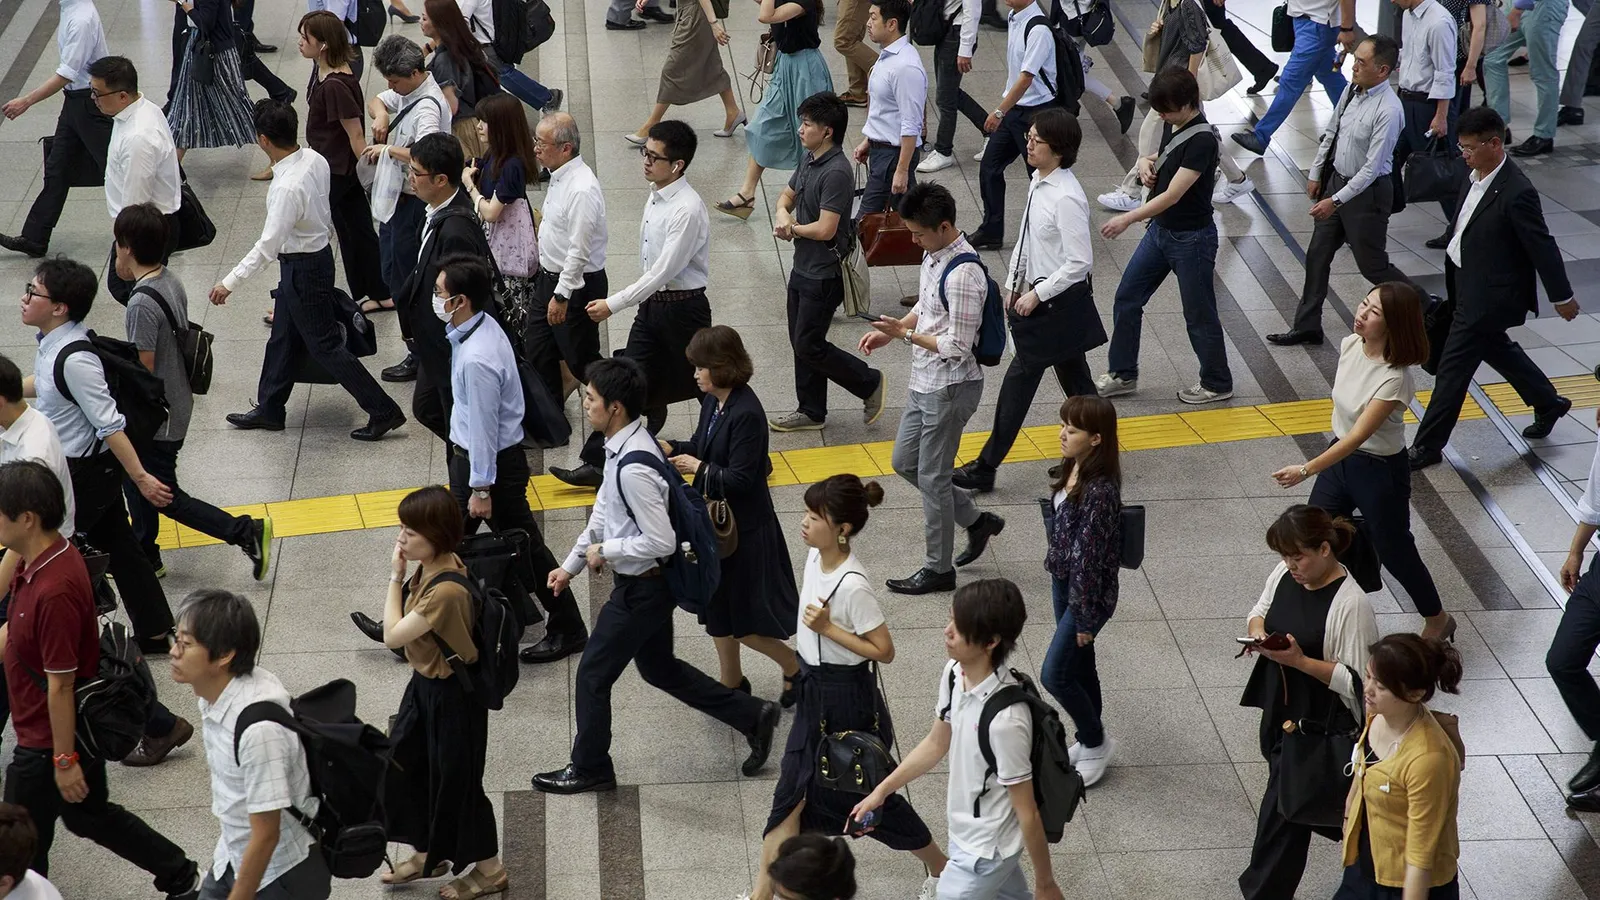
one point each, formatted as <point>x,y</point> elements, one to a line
<point>438,309</point>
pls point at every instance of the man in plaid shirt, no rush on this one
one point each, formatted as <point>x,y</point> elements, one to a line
<point>945,387</point>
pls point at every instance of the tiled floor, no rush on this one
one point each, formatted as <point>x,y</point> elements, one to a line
<point>1174,818</point>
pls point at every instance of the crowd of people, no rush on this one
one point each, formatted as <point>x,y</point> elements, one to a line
<point>500,293</point>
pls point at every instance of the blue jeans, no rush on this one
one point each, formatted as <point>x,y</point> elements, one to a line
<point>1193,256</point>
<point>1540,31</point>
<point>524,88</point>
<point>1069,672</point>
<point>1313,57</point>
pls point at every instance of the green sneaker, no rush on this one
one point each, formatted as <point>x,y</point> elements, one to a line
<point>260,547</point>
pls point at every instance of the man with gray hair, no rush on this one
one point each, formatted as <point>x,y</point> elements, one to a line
<point>258,790</point>
<point>412,107</point>
<point>572,272</point>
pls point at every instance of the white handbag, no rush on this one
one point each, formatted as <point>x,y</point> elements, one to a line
<point>1218,73</point>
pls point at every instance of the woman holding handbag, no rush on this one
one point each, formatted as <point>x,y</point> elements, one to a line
<point>842,635</point>
<point>1311,627</point>
<point>209,107</point>
<point>498,186</point>
<point>755,602</point>
<point>799,73</point>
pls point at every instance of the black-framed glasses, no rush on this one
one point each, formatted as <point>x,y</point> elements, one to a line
<point>420,173</point>
<point>651,157</point>
<point>29,292</point>
<point>96,95</point>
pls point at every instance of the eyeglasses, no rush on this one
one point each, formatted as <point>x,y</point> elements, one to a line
<point>420,173</point>
<point>1469,148</point>
<point>650,157</point>
<point>29,292</point>
<point>179,646</point>
<point>96,95</point>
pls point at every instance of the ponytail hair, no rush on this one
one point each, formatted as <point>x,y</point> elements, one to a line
<point>1303,527</point>
<point>1406,663</point>
<point>815,866</point>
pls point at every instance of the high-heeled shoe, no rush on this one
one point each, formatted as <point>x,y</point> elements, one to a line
<point>728,132</point>
<point>395,13</point>
<point>634,139</point>
<point>740,210</point>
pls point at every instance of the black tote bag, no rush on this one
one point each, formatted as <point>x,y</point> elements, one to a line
<point>1436,173</point>
<point>1312,784</point>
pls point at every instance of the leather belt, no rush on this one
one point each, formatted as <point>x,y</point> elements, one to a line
<point>652,572</point>
<point>674,296</point>
<point>1404,94</point>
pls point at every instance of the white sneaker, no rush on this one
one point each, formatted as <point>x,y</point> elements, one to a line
<point>1118,201</point>
<point>1109,385</point>
<point>1074,753</point>
<point>1199,393</point>
<point>979,156</point>
<point>934,162</point>
<point>1229,191</point>
<point>1092,761</point>
<point>930,888</point>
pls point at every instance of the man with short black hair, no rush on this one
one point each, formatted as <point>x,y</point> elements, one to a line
<point>304,322</point>
<point>1031,67</point>
<point>814,214</point>
<point>256,791</point>
<point>891,136</point>
<point>18,839</point>
<point>946,385</point>
<point>51,641</point>
<point>142,162</point>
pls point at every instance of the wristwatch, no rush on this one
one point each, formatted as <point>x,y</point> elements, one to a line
<point>907,337</point>
<point>1336,202</point>
<point>480,493</point>
<point>65,761</point>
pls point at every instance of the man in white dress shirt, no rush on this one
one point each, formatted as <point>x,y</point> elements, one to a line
<point>631,531</point>
<point>78,150</point>
<point>304,318</point>
<point>675,256</point>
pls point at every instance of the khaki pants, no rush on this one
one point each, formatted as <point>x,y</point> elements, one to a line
<point>1150,142</point>
<point>848,31</point>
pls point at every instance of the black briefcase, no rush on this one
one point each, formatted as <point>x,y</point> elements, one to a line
<point>1436,173</point>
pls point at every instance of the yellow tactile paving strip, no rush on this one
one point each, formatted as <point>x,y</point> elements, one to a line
<point>353,512</point>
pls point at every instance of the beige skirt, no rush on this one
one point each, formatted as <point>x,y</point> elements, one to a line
<point>693,70</point>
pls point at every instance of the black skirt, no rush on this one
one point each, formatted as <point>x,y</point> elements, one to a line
<point>844,698</point>
<point>435,800</point>
<point>757,594</point>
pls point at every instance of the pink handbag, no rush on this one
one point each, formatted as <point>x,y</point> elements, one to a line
<point>514,241</point>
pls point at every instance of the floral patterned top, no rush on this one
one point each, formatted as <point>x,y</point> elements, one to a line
<point>1085,543</point>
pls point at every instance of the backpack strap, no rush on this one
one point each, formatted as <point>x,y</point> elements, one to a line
<point>267,711</point>
<point>1179,139</point>
<point>457,665</point>
<point>61,373</point>
<point>1027,31</point>
<point>957,260</point>
<point>944,714</point>
<point>657,465</point>
<point>1003,698</point>
<point>395,120</point>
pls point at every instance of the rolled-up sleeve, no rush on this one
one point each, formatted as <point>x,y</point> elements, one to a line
<point>87,381</point>
<point>77,46</point>
<point>911,93</point>
<point>1589,504</point>
<point>283,211</point>
<point>1442,51</point>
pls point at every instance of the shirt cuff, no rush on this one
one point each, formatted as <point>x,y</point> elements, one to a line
<point>1565,302</point>
<point>573,564</point>
<point>231,280</point>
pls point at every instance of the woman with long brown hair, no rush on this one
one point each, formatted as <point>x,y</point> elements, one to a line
<point>498,185</point>
<point>461,68</point>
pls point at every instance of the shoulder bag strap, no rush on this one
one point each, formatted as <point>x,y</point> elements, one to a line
<point>1178,140</point>
<point>152,293</point>
<point>829,599</point>
<point>397,118</point>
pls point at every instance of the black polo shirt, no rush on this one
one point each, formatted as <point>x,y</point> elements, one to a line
<point>822,183</point>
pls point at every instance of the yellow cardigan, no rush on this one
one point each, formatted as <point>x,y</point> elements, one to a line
<point>1410,803</point>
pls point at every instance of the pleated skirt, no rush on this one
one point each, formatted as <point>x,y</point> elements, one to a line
<point>218,114</point>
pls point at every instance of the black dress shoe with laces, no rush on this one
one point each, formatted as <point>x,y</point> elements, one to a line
<point>570,781</point>
<point>923,581</point>
<point>376,428</point>
<point>981,241</point>
<point>1291,338</point>
<point>1588,777</point>
<point>552,647</point>
<point>584,475</point>
<point>1421,458</point>
<point>630,25</point>
<point>257,47</point>
<point>20,244</point>
<point>1438,243</point>
<point>253,421</point>
<point>1544,421</point>
<point>761,739</point>
<point>974,476</point>
<point>1534,146</point>
<point>404,370</point>
<point>978,535</point>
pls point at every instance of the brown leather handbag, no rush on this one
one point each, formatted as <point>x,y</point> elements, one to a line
<point>886,241</point>
<point>723,525</point>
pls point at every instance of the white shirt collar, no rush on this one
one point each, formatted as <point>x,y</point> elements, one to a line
<point>131,110</point>
<point>1490,177</point>
<point>447,202</point>
<point>896,46</point>
<point>615,442</point>
<point>558,176</point>
<point>670,191</point>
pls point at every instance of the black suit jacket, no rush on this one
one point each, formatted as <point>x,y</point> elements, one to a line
<point>457,230</point>
<point>1504,246</point>
<point>734,461</point>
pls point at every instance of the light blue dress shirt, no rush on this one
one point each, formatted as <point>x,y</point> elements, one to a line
<point>897,90</point>
<point>486,416</point>
<point>1032,53</point>
<point>81,40</point>
<point>94,417</point>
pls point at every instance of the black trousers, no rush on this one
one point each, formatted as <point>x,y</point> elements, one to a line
<point>303,323</point>
<point>576,341</point>
<point>1363,224</point>
<point>250,65</point>
<point>31,784</point>
<point>1009,141</point>
<point>657,342</point>
<point>1573,647</point>
<point>635,625</point>
<point>160,459</point>
<point>1278,856</point>
<point>508,498</point>
<point>1016,396</point>
<point>949,98</point>
<point>1248,54</point>
<point>1464,348</point>
<point>431,399</point>
<point>812,303</point>
<point>1418,114</point>
<point>358,240</point>
<point>1380,487</point>
<point>82,138</point>
<point>97,487</point>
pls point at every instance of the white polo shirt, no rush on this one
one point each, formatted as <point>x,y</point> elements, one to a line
<point>995,833</point>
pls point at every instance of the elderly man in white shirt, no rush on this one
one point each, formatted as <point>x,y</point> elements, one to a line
<point>897,89</point>
<point>675,256</point>
<point>305,318</point>
<point>82,132</point>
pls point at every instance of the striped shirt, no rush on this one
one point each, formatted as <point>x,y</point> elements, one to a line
<point>955,326</point>
<point>1367,129</point>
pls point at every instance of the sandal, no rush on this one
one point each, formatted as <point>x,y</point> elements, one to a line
<point>370,306</point>
<point>411,870</point>
<point>740,210</point>
<point>473,885</point>
<point>263,175</point>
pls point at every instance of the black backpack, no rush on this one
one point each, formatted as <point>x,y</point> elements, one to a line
<point>348,760</point>
<point>370,19</point>
<point>112,706</point>
<point>1067,85</point>
<point>694,569</point>
<point>1057,786</point>
<point>140,395</point>
<point>496,631</point>
<point>929,24</point>
<point>520,26</point>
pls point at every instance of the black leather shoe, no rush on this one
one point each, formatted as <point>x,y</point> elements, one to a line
<point>761,739</point>
<point>252,421</point>
<point>1261,82</point>
<point>571,781</point>
<point>630,25</point>
<point>20,244</point>
<point>974,476</point>
<point>981,241</point>
<point>1585,801</point>
<point>376,428</point>
<point>1250,141</point>
<point>1420,458</point>
<point>159,645</point>
<point>584,475</point>
<point>1291,338</point>
<point>978,535</point>
<point>1125,111</point>
<point>656,15</point>
<point>404,370</point>
<point>923,581</point>
<point>1438,243</point>
<point>553,647</point>
<point>1545,421</point>
<point>1534,146</point>
<point>258,47</point>
<point>1570,115</point>
<point>1588,777</point>
<point>368,626</point>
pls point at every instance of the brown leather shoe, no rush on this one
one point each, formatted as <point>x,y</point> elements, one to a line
<point>151,751</point>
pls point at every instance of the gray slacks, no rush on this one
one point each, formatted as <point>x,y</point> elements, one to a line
<point>925,456</point>
<point>1582,56</point>
<point>1362,223</point>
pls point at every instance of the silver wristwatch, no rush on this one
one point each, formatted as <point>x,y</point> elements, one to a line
<point>481,493</point>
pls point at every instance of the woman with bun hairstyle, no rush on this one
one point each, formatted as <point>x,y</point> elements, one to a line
<point>1084,533</point>
<point>1322,624</point>
<point>1400,838</point>
<point>814,867</point>
<point>841,633</point>
<point>1366,467</point>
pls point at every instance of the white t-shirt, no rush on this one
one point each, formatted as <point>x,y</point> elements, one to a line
<point>854,608</point>
<point>34,887</point>
<point>1359,381</point>
<point>995,833</point>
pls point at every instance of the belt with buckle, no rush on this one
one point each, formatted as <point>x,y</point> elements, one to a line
<point>674,296</point>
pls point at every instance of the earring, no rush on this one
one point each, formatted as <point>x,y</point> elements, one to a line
<point>843,542</point>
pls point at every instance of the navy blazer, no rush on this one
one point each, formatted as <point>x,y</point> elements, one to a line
<point>734,464</point>
<point>1504,247</point>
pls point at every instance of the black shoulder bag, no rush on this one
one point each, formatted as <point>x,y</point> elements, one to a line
<point>1312,783</point>
<point>854,762</point>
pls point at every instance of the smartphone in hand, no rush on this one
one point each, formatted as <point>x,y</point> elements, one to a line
<point>866,317</point>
